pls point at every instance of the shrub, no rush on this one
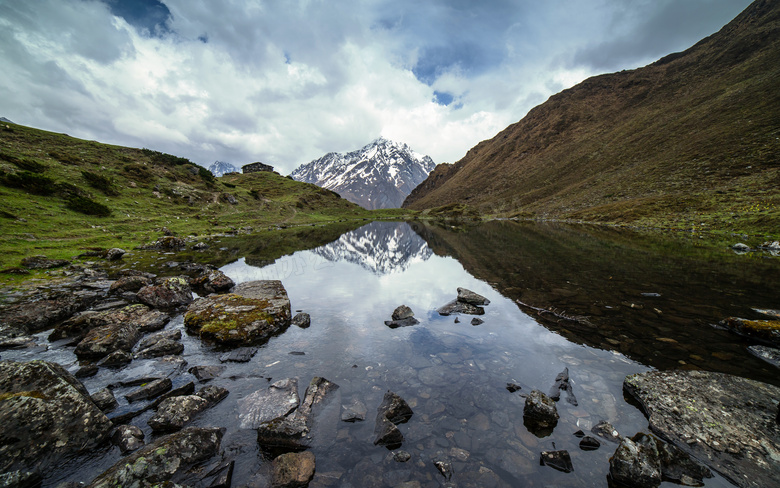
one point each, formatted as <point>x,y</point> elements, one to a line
<point>87,206</point>
<point>138,171</point>
<point>166,159</point>
<point>30,165</point>
<point>30,182</point>
<point>229,185</point>
<point>205,175</point>
<point>102,183</point>
<point>66,190</point>
<point>65,158</point>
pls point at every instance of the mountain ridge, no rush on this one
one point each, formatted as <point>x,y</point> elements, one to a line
<point>636,145</point>
<point>219,168</point>
<point>378,175</point>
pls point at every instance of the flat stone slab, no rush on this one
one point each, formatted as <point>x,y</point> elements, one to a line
<point>768,354</point>
<point>279,399</point>
<point>250,315</point>
<point>726,422</point>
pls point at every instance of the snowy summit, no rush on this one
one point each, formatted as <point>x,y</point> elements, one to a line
<point>380,175</point>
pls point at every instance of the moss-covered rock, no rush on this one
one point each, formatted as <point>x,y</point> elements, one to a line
<point>252,314</point>
<point>766,331</point>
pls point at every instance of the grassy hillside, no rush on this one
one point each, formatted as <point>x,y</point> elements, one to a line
<point>692,140</point>
<point>60,194</point>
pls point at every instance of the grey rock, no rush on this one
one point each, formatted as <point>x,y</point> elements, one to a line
<point>456,307</point>
<point>717,418</point>
<point>115,254</point>
<point>562,384</point>
<point>278,400</point>
<point>86,371</point>
<point>445,468</point>
<point>141,316</point>
<point>42,311</point>
<point>302,320</point>
<point>129,283</point>
<point>740,247</point>
<point>105,400</point>
<point>166,243</point>
<point>151,390</point>
<point>558,460</point>
<point>402,312</point>
<point>128,438</point>
<point>212,281</point>
<point>46,414</point>
<point>293,470</point>
<point>768,354</point>
<point>468,296</point>
<point>116,359</point>
<point>102,341</point>
<point>169,457</point>
<point>605,430</point>
<point>477,321</point>
<point>401,456</point>
<point>636,464</point>
<point>172,292</point>
<point>407,322</point>
<point>175,412</point>
<point>392,411</point>
<point>354,412</point>
<point>206,373</point>
<point>239,355</point>
<point>540,414</point>
<point>161,344</point>
<point>21,479</point>
<point>200,246</point>
<point>42,262</point>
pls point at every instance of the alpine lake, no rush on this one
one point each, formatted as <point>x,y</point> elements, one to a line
<point>598,302</point>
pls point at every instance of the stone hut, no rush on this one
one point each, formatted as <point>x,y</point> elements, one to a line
<point>256,168</point>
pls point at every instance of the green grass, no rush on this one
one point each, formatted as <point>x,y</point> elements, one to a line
<point>69,194</point>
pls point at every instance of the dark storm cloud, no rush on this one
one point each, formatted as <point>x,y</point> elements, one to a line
<point>647,30</point>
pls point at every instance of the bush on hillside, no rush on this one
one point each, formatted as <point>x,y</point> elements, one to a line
<point>166,159</point>
<point>206,175</point>
<point>65,158</point>
<point>29,182</point>
<point>87,206</point>
<point>102,183</point>
<point>138,172</point>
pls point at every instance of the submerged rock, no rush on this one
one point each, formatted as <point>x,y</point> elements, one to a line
<point>172,292</point>
<point>206,373</point>
<point>150,390</point>
<point>562,384</point>
<point>558,460</point>
<point>160,344</point>
<point>293,470</point>
<point>455,307</point>
<point>240,355</point>
<point>46,414</point>
<point>116,359</point>
<point>354,412</point>
<point>251,314</point>
<point>766,331</point>
<point>605,430</point>
<point>718,418</point>
<point>105,400</point>
<point>406,322</point>
<point>168,459</point>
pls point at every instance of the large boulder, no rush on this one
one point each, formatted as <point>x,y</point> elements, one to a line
<point>46,414</point>
<point>173,413</point>
<point>102,341</point>
<point>131,283</point>
<point>251,314</point>
<point>168,459</point>
<point>42,312</point>
<point>278,400</point>
<point>726,421</point>
<point>170,293</point>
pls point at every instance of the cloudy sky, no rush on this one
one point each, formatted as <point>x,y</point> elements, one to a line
<point>286,81</point>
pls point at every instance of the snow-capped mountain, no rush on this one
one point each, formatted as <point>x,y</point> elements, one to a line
<point>219,168</point>
<point>380,247</point>
<point>380,175</point>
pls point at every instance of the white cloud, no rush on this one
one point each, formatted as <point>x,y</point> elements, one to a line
<point>286,82</point>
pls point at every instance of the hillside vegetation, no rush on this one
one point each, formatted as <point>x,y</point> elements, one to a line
<point>690,141</point>
<point>60,194</point>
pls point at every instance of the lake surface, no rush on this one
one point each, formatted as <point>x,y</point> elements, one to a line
<point>602,303</point>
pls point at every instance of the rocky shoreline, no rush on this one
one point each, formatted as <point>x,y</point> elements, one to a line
<point>703,421</point>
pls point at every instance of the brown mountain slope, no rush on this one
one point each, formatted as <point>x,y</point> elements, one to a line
<point>694,136</point>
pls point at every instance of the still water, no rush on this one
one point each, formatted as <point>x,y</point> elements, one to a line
<point>604,304</point>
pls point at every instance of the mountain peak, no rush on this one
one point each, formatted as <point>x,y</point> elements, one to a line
<point>379,175</point>
<point>219,168</point>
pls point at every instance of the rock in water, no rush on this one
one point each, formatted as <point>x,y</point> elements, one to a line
<point>278,400</point>
<point>302,320</point>
<point>766,331</point>
<point>717,418</point>
<point>169,457</point>
<point>558,460</point>
<point>251,314</point>
<point>392,411</point>
<point>455,307</point>
<point>540,415</point>
<point>768,354</point>
<point>46,414</point>
<point>293,470</point>
<point>128,438</point>
<point>172,292</point>
<point>636,464</point>
<point>468,296</point>
<point>402,312</point>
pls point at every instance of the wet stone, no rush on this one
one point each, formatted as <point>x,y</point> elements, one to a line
<point>540,415</point>
<point>477,321</point>
<point>116,359</point>
<point>605,430</point>
<point>765,331</point>
<point>302,320</point>
<point>636,464</point>
<point>768,354</point>
<point>589,443</point>
<point>163,346</point>
<point>239,355</point>
<point>468,296</point>
<point>402,312</point>
<point>456,307</point>
<point>206,373</point>
<point>86,371</point>
<point>128,438</point>
<point>401,456</point>
<point>212,281</point>
<point>558,460</point>
<point>293,470</point>
<point>172,414</point>
<point>151,390</point>
<point>392,411</point>
<point>513,387</point>
<point>354,412</point>
<point>105,400</point>
<point>444,468</point>
<point>278,400</point>
<point>102,341</point>
<point>406,322</point>
<point>129,284</point>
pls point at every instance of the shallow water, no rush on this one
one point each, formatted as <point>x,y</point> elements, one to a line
<point>638,303</point>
